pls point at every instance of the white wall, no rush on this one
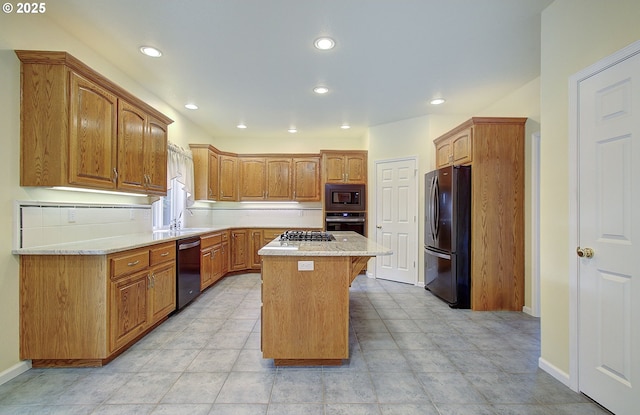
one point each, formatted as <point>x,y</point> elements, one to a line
<point>575,34</point>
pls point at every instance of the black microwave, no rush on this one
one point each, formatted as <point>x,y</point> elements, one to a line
<point>344,197</point>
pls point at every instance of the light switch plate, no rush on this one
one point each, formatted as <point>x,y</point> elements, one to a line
<point>305,265</point>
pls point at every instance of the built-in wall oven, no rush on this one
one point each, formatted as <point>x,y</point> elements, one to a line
<point>346,221</point>
<point>345,208</point>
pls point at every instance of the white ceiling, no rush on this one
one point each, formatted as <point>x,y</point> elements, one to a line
<point>253,61</point>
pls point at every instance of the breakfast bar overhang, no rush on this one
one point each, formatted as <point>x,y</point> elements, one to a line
<point>305,297</point>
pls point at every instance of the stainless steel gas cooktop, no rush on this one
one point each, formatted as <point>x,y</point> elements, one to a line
<point>316,236</point>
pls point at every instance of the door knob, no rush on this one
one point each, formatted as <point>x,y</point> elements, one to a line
<point>379,227</point>
<point>584,252</point>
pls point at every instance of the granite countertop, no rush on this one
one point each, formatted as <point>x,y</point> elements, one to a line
<point>346,244</point>
<point>105,246</point>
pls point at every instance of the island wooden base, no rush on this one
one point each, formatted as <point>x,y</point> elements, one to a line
<point>305,308</point>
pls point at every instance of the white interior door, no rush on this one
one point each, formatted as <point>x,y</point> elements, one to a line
<point>609,222</point>
<point>396,219</point>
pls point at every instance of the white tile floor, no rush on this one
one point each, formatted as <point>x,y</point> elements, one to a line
<point>410,354</point>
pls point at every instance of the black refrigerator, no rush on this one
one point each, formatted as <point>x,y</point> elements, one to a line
<point>447,235</point>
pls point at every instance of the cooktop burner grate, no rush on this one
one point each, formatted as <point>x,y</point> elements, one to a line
<point>316,236</point>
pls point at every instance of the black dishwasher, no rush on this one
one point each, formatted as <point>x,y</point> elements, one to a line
<point>188,275</point>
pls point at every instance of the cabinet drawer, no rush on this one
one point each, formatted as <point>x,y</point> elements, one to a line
<point>210,240</point>
<point>126,263</point>
<point>225,235</point>
<point>162,253</point>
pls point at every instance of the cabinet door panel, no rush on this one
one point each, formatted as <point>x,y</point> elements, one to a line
<point>278,179</point>
<point>212,189</point>
<point>131,139</point>
<point>216,263</point>
<point>443,152</point>
<point>252,179</point>
<point>228,178</point>
<point>356,168</point>
<point>239,258</point>
<point>333,168</point>
<point>206,272</point>
<point>92,138</point>
<point>224,254</point>
<point>163,291</point>
<point>155,157</point>
<point>129,315</point>
<point>461,147</point>
<point>256,244</point>
<point>306,179</point>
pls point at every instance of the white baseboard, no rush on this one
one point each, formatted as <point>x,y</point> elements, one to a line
<point>558,374</point>
<point>527,310</point>
<point>14,371</point>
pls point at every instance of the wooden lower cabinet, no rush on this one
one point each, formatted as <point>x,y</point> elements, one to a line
<point>83,310</point>
<point>239,250</point>
<point>129,314</point>
<point>256,244</point>
<point>212,259</point>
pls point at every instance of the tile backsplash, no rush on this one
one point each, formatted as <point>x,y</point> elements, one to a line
<point>39,224</point>
<point>47,223</point>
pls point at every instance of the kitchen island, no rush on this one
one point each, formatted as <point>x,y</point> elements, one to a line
<point>305,297</point>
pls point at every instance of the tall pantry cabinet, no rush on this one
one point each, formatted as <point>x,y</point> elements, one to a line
<point>494,147</point>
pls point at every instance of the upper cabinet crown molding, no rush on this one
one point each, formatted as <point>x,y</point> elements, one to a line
<point>80,129</point>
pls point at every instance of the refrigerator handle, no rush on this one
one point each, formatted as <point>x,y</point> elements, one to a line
<point>430,208</point>
<point>435,216</point>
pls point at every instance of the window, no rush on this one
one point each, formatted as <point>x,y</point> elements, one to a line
<point>168,211</point>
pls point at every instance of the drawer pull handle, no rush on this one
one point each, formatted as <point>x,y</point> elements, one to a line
<point>164,254</point>
<point>136,262</point>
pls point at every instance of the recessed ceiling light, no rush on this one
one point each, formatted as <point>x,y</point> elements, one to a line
<point>150,51</point>
<point>345,126</point>
<point>191,106</point>
<point>241,126</point>
<point>324,43</point>
<point>321,90</point>
<point>292,130</point>
<point>437,101</point>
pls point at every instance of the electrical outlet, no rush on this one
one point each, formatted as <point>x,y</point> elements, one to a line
<point>305,265</point>
<point>132,214</point>
<point>71,215</point>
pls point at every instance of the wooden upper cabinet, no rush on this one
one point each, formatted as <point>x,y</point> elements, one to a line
<point>92,135</point>
<point>142,151</point>
<point>79,129</point>
<point>306,179</point>
<point>206,172</point>
<point>278,186</point>
<point>252,178</point>
<point>228,178</point>
<point>344,167</point>
<point>455,149</point>
<point>274,177</point>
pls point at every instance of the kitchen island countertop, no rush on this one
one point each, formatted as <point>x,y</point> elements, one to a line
<point>346,244</point>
